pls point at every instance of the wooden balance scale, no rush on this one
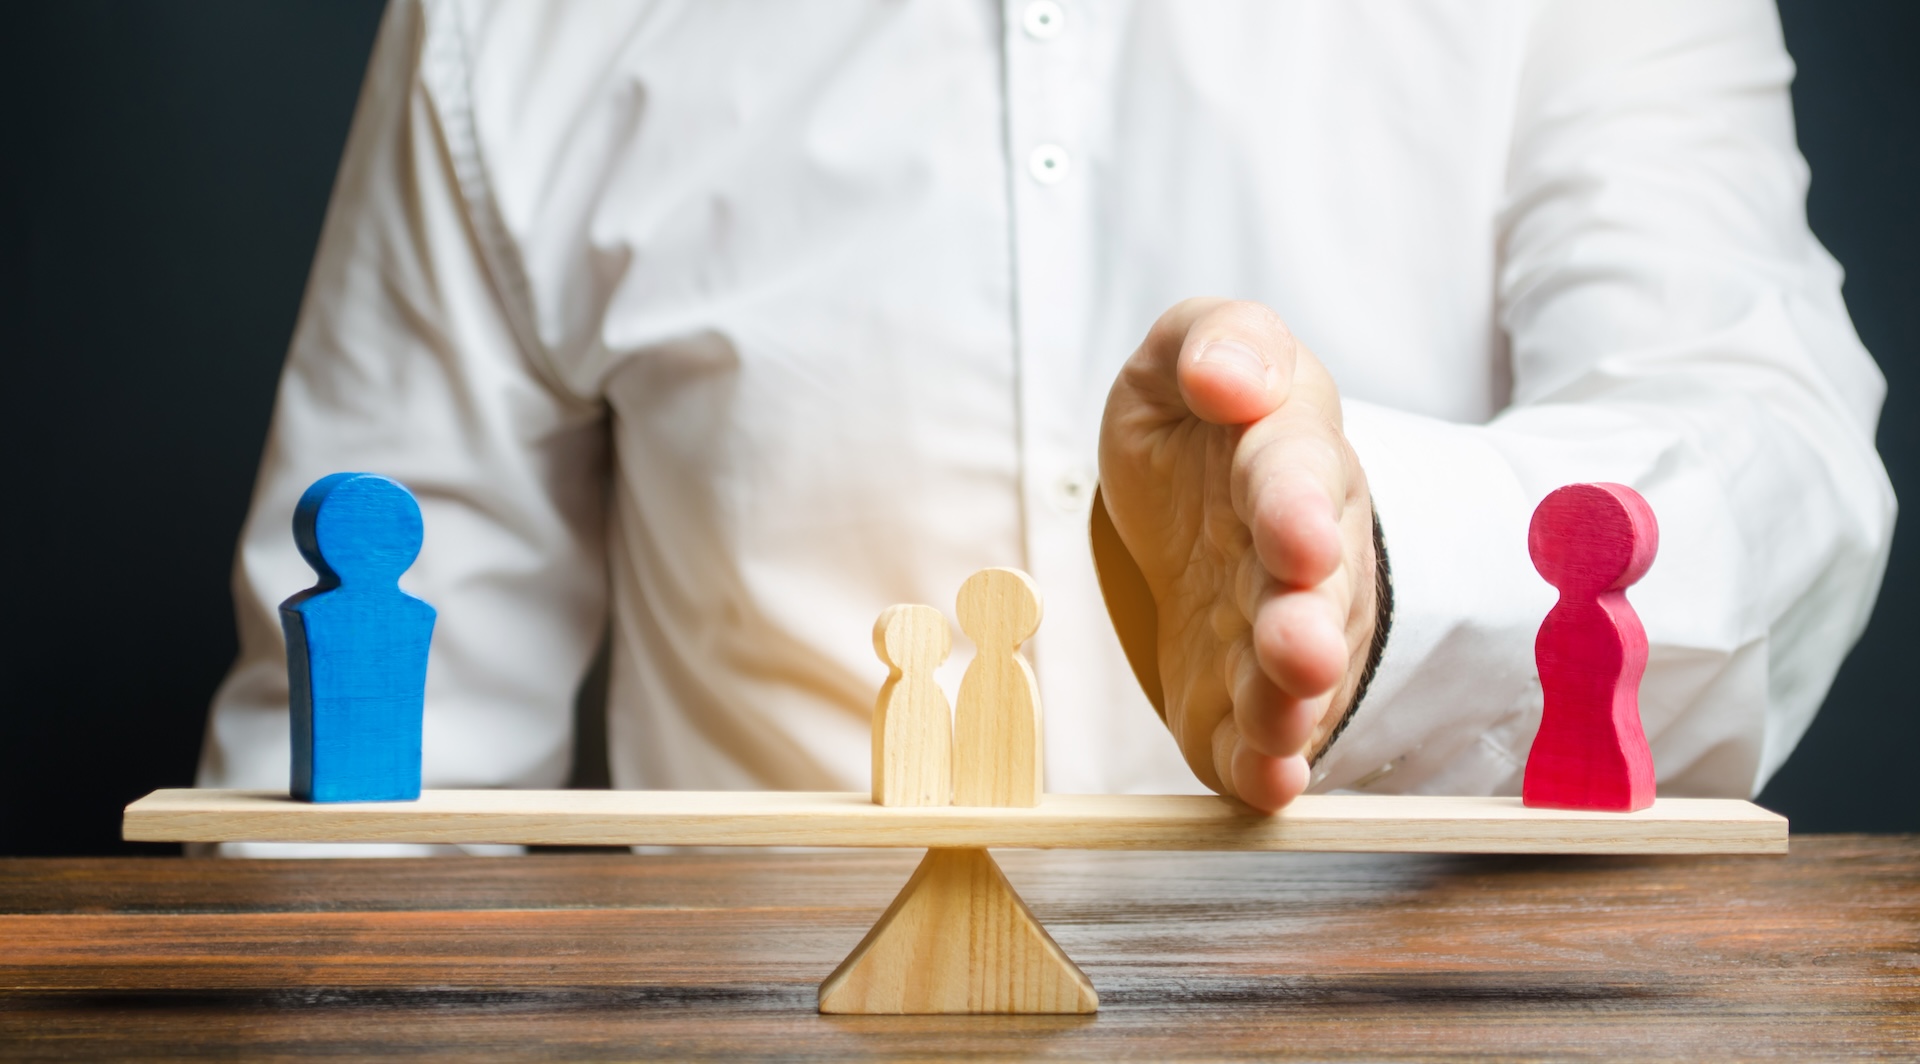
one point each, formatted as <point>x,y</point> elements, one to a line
<point>958,938</point>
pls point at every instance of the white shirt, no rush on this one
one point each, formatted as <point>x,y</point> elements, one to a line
<point>736,322</point>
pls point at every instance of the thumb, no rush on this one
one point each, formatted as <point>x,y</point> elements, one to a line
<point>1223,361</point>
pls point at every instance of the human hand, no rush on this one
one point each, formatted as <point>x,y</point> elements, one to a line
<point>1229,480</point>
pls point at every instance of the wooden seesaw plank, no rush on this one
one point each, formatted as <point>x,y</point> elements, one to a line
<point>1353,823</point>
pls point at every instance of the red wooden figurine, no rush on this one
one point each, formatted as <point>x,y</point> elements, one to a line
<point>1592,541</point>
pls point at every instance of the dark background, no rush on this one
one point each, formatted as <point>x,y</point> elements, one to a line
<point>163,174</point>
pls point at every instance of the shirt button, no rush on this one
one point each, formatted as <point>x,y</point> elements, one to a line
<point>1073,491</point>
<point>1048,164</point>
<point>1043,20</point>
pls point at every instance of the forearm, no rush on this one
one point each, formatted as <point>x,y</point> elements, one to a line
<point>1772,541</point>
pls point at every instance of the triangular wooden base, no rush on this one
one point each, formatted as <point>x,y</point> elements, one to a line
<point>957,939</point>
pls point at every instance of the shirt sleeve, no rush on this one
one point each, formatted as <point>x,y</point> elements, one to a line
<point>415,356</point>
<point>1673,326</point>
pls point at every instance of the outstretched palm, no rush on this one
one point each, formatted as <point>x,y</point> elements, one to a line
<point>1224,468</point>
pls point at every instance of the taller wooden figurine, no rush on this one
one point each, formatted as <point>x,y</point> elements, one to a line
<point>357,644</point>
<point>1591,541</point>
<point>996,722</point>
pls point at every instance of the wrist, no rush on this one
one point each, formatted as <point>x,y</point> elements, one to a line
<point>1337,718</point>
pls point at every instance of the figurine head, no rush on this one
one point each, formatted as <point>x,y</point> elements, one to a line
<point>1590,538</point>
<point>999,601</point>
<point>357,529</point>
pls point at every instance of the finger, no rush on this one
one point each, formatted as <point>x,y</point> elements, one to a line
<point>1268,783</point>
<point>1236,363</point>
<point>1263,782</point>
<point>1268,719</point>
<point>1226,362</point>
<point>1301,636</point>
<point>1300,639</point>
<point>1292,477</point>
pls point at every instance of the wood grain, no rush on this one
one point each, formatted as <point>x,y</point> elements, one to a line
<point>912,724</point>
<point>957,939</point>
<point>1377,823</point>
<point>996,720</point>
<point>1196,956</point>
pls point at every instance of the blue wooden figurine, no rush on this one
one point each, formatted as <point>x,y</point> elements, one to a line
<point>356,643</point>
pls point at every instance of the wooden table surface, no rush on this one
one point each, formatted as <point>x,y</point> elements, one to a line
<point>1812,956</point>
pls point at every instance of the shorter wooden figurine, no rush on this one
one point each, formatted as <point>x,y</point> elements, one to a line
<point>357,644</point>
<point>1592,542</point>
<point>912,726</point>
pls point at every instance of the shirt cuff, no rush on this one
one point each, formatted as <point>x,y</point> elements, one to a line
<point>1455,700</point>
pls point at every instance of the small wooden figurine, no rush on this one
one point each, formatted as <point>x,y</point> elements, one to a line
<point>357,644</point>
<point>996,724</point>
<point>1592,541</point>
<point>912,726</point>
